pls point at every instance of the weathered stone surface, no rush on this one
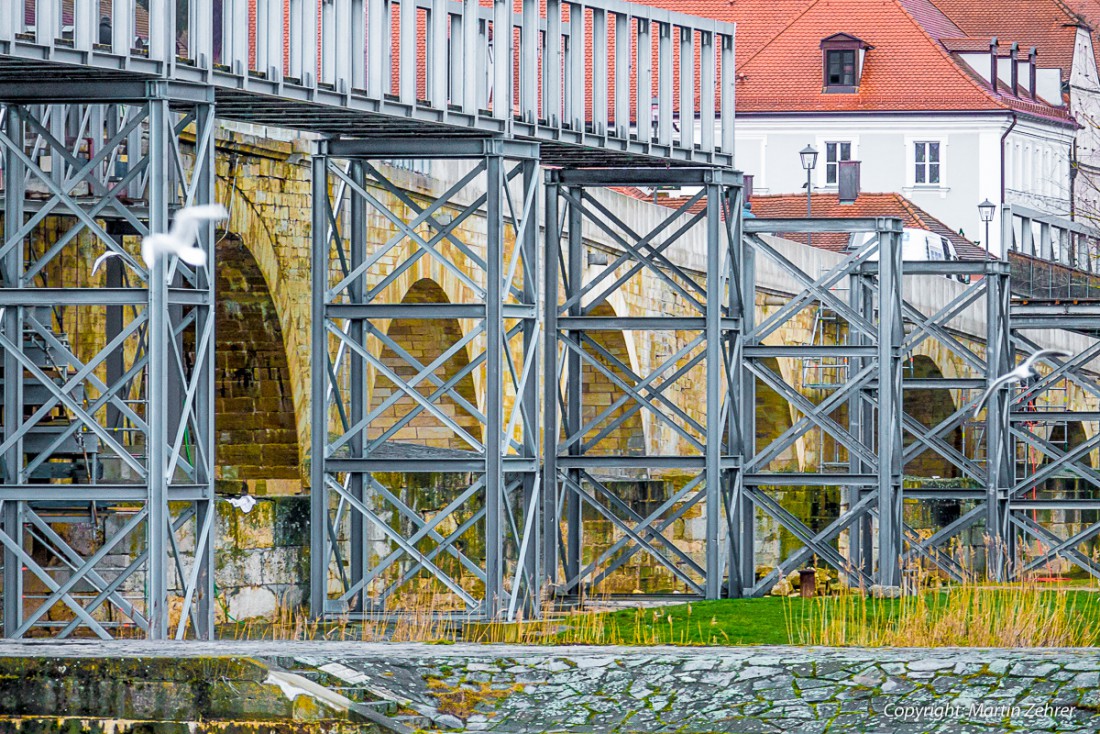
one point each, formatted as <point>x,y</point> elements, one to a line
<point>514,690</point>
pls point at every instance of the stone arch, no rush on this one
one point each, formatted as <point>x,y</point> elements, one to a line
<point>773,418</point>
<point>426,340</point>
<point>258,231</point>
<point>599,392</point>
<point>930,407</point>
<point>257,444</point>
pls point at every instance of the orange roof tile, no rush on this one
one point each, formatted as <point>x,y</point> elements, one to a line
<point>793,206</point>
<point>1049,25</point>
<point>867,205</point>
<point>780,66</point>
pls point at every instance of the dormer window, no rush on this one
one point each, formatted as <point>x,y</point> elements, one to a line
<point>840,68</point>
<point>842,60</point>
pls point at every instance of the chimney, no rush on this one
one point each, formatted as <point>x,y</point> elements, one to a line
<point>746,188</point>
<point>847,181</point>
<point>1015,70</point>
<point>1032,65</point>
<point>993,63</point>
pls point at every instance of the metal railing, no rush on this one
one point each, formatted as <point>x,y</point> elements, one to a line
<point>1052,258</point>
<point>602,73</point>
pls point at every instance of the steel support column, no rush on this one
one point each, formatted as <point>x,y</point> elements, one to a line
<point>592,458</point>
<point>890,408</point>
<point>140,444</point>
<point>1049,504</point>
<point>867,361</point>
<point>425,464</point>
<point>1000,447</point>
<point>742,510</point>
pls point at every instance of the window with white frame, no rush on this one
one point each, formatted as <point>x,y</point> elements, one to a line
<point>927,162</point>
<point>834,153</point>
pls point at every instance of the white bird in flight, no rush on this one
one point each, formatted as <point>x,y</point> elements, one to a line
<point>102,259</point>
<point>1024,371</point>
<point>180,239</point>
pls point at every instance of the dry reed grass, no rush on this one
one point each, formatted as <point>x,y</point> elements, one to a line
<point>974,613</point>
<point>969,614</point>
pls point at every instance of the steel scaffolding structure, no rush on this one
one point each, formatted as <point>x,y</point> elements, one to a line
<point>578,464</point>
<point>107,380</point>
<point>505,87</point>
<point>106,411</point>
<point>885,327</point>
<point>1033,415</point>
<point>873,319</point>
<point>357,296</point>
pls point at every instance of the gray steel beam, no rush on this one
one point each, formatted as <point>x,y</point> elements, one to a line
<point>494,386</point>
<point>574,385</point>
<point>597,177</point>
<point>579,459</point>
<point>890,407</point>
<point>357,390</point>
<point>1000,446</point>
<point>758,225</point>
<point>319,406</point>
<point>551,426</point>
<point>529,561</point>
<point>159,356</point>
<point>717,279</point>
<point>11,517</point>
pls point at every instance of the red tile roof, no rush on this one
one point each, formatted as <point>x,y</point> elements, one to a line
<point>1049,25</point>
<point>780,66</point>
<point>793,206</point>
<point>867,205</point>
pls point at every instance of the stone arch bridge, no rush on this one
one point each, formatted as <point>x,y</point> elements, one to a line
<point>499,380</point>
<point>267,183</point>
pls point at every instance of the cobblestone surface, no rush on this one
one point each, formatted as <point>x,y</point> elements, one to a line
<point>766,689</point>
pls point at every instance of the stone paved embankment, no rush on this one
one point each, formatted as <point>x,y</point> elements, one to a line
<point>766,689</point>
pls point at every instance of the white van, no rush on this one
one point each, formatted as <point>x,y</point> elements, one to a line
<point>917,245</point>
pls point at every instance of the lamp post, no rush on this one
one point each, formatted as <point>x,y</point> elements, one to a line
<point>985,210</point>
<point>809,162</point>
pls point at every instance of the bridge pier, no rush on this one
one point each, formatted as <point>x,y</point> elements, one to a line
<point>1033,416</point>
<point>414,423</point>
<point>107,418</point>
<point>580,466</point>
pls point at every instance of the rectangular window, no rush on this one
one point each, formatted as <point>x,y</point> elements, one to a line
<point>840,68</point>
<point>927,162</point>
<point>834,153</point>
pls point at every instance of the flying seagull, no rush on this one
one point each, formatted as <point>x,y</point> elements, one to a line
<point>180,239</point>
<point>1024,371</point>
<point>102,259</point>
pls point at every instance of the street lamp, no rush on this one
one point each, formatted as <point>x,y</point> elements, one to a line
<point>986,209</point>
<point>809,162</point>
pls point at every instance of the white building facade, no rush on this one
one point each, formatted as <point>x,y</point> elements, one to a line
<point>945,163</point>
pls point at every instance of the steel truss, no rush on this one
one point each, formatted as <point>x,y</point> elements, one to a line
<point>107,420</point>
<point>883,330</point>
<point>478,550</point>
<point>976,465</point>
<point>580,468</point>
<point>1032,415</point>
<point>871,429</point>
